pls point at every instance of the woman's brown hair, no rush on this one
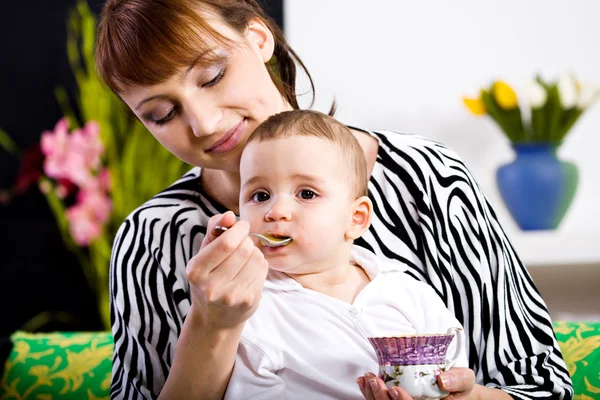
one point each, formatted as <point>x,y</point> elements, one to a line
<point>144,42</point>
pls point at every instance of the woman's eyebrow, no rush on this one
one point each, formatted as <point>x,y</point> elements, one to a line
<point>196,61</point>
<point>158,96</point>
<point>218,57</point>
<point>214,54</point>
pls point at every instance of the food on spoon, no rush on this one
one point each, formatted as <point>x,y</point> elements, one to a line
<point>277,238</point>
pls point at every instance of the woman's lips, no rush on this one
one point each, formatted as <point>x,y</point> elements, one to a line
<point>230,140</point>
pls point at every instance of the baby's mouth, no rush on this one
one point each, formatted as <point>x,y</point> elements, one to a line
<point>277,237</point>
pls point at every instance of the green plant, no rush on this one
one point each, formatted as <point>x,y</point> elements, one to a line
<point>554,107</point>
<point>137,166</point>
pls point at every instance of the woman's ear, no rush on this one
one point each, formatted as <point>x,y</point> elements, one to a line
<point>360,219</point>
<point>261,39</point>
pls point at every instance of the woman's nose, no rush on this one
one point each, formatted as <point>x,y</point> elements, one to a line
<point>204,118</point>
<point>280,211</point>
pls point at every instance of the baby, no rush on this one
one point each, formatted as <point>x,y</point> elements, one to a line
<point>304,176</point>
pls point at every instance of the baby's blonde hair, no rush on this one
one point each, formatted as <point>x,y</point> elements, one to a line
<point>316,124</point>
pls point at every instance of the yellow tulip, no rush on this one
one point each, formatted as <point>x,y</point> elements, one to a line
<point>476,106</point>
<point>504,95</point>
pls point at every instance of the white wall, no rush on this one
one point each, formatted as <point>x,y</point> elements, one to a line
<point>404,65</point>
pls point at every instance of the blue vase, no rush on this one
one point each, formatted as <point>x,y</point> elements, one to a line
<point>537,187</point>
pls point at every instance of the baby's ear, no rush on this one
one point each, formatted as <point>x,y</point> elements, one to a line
<point>360,219</point>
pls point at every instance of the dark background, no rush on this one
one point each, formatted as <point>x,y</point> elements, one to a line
<point>37,273</point>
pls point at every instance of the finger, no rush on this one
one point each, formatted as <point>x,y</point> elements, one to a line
<point>398,394</point>
<point>361,385</point>
<point>226,220</point>
<point>241,293</point>
<point>218,251</point>
<point>381,391</point>
<point>258,283</point>
<point>367,391</point>
<point>253,274</point>
<point>245,290</point>
<point>457,380</point>
<point>375,387</point>
<point>226,272</point>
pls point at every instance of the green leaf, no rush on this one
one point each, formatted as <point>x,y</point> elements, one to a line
<point>497,114</point>
<point>139,166</point>
<point>63,102</point>
<point>59,210</point>
<point>537,123</point>
<point>554,113</point>
<point>569,118</point>
<point>88,29</point>
<point>516,125</point>
<point>8,144</point>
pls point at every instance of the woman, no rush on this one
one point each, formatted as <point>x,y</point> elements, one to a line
<point>201,75</point>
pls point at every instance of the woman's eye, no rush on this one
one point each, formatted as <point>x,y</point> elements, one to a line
<point>170,115</point>
<point>307,194</point>
<point>216,79</point>
<point>259,197</point>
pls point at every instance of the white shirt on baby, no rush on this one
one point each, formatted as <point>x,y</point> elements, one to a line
<point>301,344</point>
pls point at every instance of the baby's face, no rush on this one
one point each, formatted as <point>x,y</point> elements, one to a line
<point>297,187</point>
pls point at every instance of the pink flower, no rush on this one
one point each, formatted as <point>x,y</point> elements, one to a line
<point>74,160</point>
<point>56,141</point>
<point>74,156</point>
<point>77,170</point>
<point>97,202</point>
<point>87,217</point>
<point>87,144</point>
<point>82,225</point>
<point>61,192</point>
<point>55,146</point>
<point>104,178</point>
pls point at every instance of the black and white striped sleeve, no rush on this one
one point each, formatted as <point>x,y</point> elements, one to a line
<point>148,286</point>
<point>463,252</point>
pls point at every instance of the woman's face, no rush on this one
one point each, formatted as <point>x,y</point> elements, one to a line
<point>204,114</point>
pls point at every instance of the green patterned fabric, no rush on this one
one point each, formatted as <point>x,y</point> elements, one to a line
<point>580,346</point>
<point>58,366</point>
<point>78,365</point>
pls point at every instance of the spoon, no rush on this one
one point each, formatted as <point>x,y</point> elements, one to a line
<point>264,240</point>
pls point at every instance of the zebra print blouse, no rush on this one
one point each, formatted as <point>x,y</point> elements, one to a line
<point>429,214</point>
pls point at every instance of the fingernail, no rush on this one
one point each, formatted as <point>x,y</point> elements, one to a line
<point>369,375</point>
<point>361,383</point>
<point>374,385</point>
<point>447,381</point>
<point>394,394</point>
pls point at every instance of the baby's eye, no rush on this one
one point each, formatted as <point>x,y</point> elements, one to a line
<point>259,197</point>
<point>307,194</point>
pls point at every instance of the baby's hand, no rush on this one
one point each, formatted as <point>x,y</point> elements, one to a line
<point>460,382</point>
<point>373,388</point>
